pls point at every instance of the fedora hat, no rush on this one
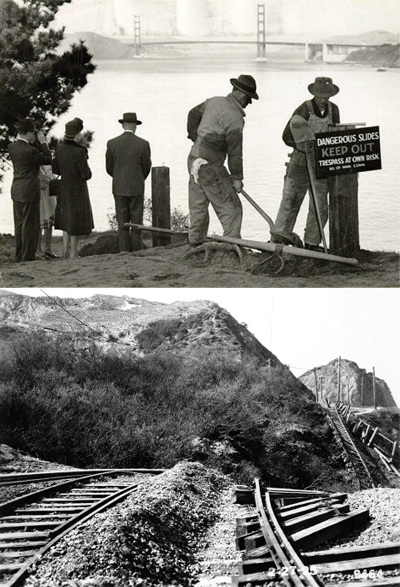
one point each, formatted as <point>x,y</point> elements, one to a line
<point>26,125</point>
<point>246,84</point>
<point>323,87</point>
<point>129,117</point>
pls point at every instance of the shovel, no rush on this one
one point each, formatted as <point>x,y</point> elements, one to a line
<point>284,239</point>
<point>302,133</point>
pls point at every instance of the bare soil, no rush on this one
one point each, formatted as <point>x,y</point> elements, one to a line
<point>175,266</point>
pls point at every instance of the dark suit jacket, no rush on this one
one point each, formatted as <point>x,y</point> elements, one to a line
<point>27,160</point>
<point>128,162</point>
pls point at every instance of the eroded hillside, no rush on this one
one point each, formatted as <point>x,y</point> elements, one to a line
<point>141,324</point>
<point>356,385</point>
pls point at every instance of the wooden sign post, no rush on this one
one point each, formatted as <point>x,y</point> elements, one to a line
<point>340,155</point>
<point>344,234</point>
<point>161,205</point>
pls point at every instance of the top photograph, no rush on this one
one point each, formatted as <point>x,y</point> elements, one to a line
<point>199,144</point>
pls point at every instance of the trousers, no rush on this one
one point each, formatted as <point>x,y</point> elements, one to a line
<point>296,184</point>
<point>129,210</point>
<point>214,187</point>
<point>27,228</point>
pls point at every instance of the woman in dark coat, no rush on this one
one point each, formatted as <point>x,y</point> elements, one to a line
<point>73,212</point>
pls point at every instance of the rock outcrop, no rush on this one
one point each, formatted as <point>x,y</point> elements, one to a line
<point>356,385</point>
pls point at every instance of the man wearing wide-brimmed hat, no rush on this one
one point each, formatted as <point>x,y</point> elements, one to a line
<point>216,128</point>
<point>25,188</point>
<point>319,113</point>
<point>128,161</point>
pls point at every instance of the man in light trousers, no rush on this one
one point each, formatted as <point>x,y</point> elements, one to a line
<point>216,129</point>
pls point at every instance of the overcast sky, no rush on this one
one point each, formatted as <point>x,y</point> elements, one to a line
<point>322,17</point>
<point>341,17</point>
<point>304,328</point>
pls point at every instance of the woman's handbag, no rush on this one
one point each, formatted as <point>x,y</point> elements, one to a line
<point>55,187</point>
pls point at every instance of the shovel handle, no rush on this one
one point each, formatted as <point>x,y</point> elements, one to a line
<point>313,191</point>
<point>259,210</point>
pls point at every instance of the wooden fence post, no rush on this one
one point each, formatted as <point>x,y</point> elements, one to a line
<point>161,205</point>
<point>374,387</point>
<point>316,384</point>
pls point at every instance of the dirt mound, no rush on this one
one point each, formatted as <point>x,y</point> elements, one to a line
<point>176,266</point>
<point>106,244</point>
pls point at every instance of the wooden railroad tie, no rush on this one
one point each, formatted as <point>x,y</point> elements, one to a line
<point>307,523</point>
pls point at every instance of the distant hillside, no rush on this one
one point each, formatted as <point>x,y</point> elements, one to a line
<point>99,46</point>
<point>369,38</point>
<point>356,384</point>
<point>383,56</point>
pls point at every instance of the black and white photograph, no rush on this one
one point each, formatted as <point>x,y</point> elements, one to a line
<point>165,419</point>
<point>194,438</point>
<point>196,143</point>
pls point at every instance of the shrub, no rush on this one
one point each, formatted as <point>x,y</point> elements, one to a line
<point>93,407</point>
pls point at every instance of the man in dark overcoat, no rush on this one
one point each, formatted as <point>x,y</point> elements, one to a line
<point>128,161</point>
<point>25,188</point>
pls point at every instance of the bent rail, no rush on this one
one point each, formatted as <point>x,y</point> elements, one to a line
<point>279,539</point>
<point>282,552</point>
<point>30,525</point>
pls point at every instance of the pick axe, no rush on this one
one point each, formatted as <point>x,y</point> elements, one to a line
<point>302,133</point>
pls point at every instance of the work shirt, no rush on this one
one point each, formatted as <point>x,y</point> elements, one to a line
<point>303,111</point>
<point>216,127</point>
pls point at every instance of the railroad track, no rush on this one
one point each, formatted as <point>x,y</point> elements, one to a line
<point>361,472</point>
<point>277,539</point>
<point>30,525</point>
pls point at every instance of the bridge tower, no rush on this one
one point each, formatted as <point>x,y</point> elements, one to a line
<point>261,31</point>
<point>137,35</point>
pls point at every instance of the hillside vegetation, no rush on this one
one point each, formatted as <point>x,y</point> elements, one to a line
<point>383,56</point>
<point>96,407</point>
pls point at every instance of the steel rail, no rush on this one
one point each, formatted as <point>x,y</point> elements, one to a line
<point>344,432</point>
<point>64,528</point>
<point>38,476</point>
<point>282,552</point>
<point>30,497</point>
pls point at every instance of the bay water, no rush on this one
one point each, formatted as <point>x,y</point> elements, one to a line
<point>162,90</point>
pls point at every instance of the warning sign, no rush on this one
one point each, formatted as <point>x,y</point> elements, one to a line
<point>347,151</point>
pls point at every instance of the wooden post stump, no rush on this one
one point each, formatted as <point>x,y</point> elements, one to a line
<point>161,205</point>
<point>344,236</point>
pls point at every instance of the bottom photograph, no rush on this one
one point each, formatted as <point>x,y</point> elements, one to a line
<point>199,437</point>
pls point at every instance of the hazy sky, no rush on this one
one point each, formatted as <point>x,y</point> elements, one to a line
<point>304,328</point>
<point>340,17</point>
<point>299,17</point>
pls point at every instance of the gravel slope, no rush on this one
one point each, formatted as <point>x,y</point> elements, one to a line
<point>179,529</point>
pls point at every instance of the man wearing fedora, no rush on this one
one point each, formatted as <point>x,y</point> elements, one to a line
<point>25,188</point>
<point>216,129</point>
<point>319,112</point>
<point>128,161</point>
